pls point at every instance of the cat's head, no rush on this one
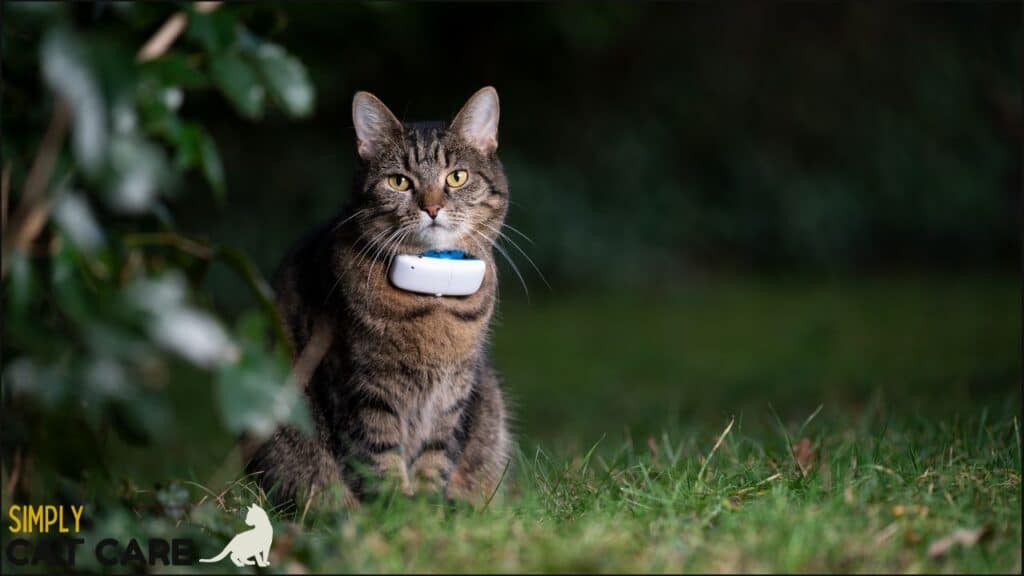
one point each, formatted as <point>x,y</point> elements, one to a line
<point>429,185</point>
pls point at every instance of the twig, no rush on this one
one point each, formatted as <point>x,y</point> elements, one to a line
<point>317,345</point>
<point>887,533</point>
<point>28,220</point>
<point>888,471</point>
<point>161,41</point>
<point>771,478</point>
<point>305,509</point>
<point>5,192</point>
<point>725,432</point>
<point>809,419</point>
<point>785,435</point>
<point>12,480</point>
<point>498,485</point>
<point>218,498</point>
<point>197,249</point>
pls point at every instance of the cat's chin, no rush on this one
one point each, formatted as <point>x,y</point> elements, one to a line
<point>437,237</point>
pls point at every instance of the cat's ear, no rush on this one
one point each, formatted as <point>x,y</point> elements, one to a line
<point>477,122</point>
<point>374,123</point>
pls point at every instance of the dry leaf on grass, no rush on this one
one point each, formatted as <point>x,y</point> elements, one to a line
<point>652,445</point>
<point>803,453</point>
<point>966,537</point>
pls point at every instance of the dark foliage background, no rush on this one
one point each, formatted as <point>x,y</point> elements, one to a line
<point>673,138</point>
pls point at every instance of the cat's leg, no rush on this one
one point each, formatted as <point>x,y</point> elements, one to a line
<point>439,447</point>
<point>292,467</point>
<point>485,451</point>
<point>261,558</point>
<point>375,435</point>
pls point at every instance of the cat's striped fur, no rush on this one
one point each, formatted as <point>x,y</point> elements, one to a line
<point>404,388</point>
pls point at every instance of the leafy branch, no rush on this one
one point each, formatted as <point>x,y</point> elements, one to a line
<point>101,331</point>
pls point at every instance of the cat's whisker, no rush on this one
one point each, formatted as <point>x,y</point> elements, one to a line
<point>358,255</point>
<point>378,252</point>
<point>479,246</point>
<point>391,249</point>
<point>398,243</point>
<point>517,231</point>
<point>507,259</point>
<point>367,244</point>
<point>365,250</point>
<point>337,281</point>
<point>521,251</point>
<point>355,214</point>
<point>388,253</point>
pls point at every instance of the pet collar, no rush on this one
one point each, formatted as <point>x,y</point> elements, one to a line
<point>438,272</point>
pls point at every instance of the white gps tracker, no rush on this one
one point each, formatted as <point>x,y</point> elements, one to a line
<point>438,272</point>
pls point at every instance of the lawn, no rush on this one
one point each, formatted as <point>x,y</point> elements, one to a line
<point>727,426</point>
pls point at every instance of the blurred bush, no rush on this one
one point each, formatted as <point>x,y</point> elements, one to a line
<point>103,307</point>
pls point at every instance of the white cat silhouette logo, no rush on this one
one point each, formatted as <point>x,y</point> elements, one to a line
<point>252,546</point>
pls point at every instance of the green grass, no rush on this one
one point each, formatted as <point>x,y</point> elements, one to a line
<point>592,365</point>
<point>620,400</point>
<point>871,496</point>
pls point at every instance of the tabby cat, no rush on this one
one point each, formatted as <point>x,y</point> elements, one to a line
<point>403,388</point>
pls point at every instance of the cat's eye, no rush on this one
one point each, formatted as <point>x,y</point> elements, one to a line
<point>398,182</point>
<point>457,178</point>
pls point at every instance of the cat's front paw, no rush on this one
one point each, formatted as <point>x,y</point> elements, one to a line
<point>430,473</point>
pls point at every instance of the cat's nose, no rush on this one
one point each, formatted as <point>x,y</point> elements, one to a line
<point>432,210</point>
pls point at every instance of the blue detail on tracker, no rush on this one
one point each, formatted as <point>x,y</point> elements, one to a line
<point>447,255</point>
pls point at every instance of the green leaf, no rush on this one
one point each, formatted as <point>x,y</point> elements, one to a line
<point>174,70</point>
<point>174,499</point>
<point>286,78</point>
<point>215,31</point>
<point>256,396</point>
<point>47,385</point>
<point>142,418</point>
<point>69,75</point>
<point>252,326</point>
<point>186,140</point>
<point>256,393</point>
<point>74,215</point>
<point>239,83</point>
<point>213,169</point>
<point>195,146</point>
<point>156,117</point>
<point>70,295</point>
<point>138,171</point>
<point>22,284</point>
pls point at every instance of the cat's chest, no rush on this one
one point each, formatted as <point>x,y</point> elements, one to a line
<point>430,409</point>
<point>430,335</point>
<point>421,329</point>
